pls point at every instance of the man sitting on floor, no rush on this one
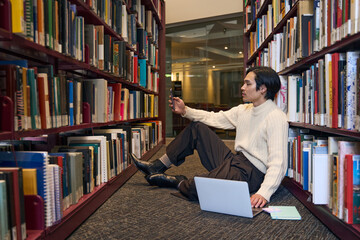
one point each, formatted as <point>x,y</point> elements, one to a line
<point>260,142</point>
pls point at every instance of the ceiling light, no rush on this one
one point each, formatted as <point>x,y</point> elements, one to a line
<point>213,66</point>
<point>225,47</point>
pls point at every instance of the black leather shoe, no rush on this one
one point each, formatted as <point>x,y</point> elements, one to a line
<point>163,180</point>
<point>148,168</point>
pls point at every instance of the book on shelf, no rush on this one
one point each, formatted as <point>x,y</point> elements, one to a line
<point>351,188</point>
<point>12,224</point>
<point>18,200</point>
<point>5,232</point>
<point>102,163</point>
<point>52,96</point>
<point>88,164</point>
<point>30,181</point>
<point>326,92</point>
<point>32,159</point>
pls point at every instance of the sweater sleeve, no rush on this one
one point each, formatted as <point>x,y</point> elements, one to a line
<point>222,119</point>
<point>277,131</point>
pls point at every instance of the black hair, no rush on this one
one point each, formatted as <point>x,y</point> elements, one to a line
<point>268,77</point>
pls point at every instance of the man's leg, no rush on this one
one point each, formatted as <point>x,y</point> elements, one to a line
<point>211,149</point>
<point>237,167</point>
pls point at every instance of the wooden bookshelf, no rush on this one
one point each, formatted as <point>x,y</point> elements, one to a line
<point>15,47</point>
<point>91,202</point>
<point>347,43</point>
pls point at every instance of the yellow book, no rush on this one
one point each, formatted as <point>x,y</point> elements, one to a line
<point>40,22</point>
<point>152,105</point>
<point>30,182</point>
<point>17,16</point>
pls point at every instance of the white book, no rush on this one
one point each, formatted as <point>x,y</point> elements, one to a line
<point>350,94</point>
<point>321,184</point>
<point>292,93</point>
<point>50,220</point>
<point>124,21</point>
<point>135,144</point>
<point>114,138</point>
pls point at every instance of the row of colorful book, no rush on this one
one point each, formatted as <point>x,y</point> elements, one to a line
<point>37,186</point>
<point>55,24</point>
<point>59,25</point>
<point>45,100</point>
<point>312,30</point>
<point>329,168</point>
<point>277,10</point>
<point>327,94</point>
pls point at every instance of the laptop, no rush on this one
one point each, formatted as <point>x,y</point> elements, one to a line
<point>225,196</point>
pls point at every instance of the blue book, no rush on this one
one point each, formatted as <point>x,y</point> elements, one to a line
<point>123,141</point>
<point>306,158</point>
<point>142,67</point>
<point>71,102</point>
<point>21,63</point>
<point>31,159</point>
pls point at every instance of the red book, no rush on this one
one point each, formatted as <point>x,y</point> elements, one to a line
<point>348,188</point>
<point>299,159</point>
<point>335,89</point>
<point>6,109</point>
<point>117,100</point>
<point>135,69</point>
<point>86,113</point>
<point>310,38</point>
<point>5,16</point>
<point>339,12</point>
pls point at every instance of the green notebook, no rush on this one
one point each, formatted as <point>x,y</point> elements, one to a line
<point>285,213</point>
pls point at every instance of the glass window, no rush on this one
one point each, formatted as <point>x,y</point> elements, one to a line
<point>204,62</point>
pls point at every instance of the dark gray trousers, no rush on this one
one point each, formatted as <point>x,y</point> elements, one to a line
<point>215,156</point>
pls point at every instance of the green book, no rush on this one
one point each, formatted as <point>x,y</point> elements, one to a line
<point>285,213</point>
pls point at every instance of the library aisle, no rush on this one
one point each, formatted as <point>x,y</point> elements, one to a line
<point>139,211</point>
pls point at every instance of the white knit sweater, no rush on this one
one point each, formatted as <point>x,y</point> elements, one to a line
<point>261,134</point>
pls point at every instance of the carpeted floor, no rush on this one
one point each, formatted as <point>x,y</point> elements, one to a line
<point>140,211</point>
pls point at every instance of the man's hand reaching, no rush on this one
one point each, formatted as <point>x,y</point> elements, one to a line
<point>178,107</point>
<point>257,201</point>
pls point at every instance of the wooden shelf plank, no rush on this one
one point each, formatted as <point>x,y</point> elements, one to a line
<point>336,131</point>
<point>38,132</point>
<point>337,226</point>
<point>6,136</point>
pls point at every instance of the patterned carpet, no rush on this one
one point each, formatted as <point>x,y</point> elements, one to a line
<point>140,211</point>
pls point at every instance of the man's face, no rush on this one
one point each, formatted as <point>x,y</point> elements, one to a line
<point>249,92</point>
